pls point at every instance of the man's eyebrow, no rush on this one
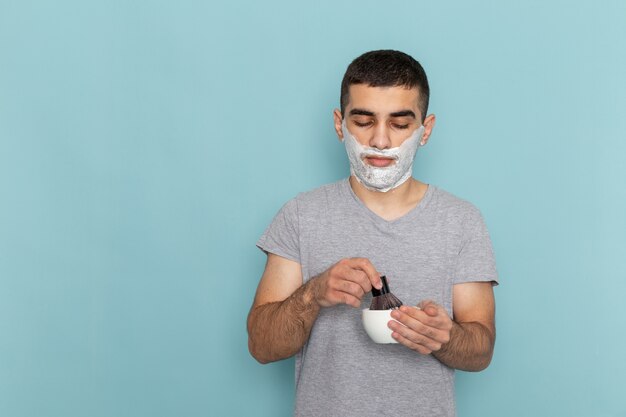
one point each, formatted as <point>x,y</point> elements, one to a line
<point>361,112</point>
<point>403,113</point>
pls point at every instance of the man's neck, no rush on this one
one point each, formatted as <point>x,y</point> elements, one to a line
<point>394,203</point>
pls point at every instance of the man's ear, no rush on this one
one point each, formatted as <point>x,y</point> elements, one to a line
<point>429,124</point>
<point>338,119</point>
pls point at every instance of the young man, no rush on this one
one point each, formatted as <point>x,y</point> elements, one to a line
<point>328,247</point>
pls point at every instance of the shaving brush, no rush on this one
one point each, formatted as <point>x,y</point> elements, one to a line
<point>383,299</point>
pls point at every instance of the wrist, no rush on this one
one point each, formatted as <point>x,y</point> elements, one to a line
<point>310,293</point>
<point>454,334</point>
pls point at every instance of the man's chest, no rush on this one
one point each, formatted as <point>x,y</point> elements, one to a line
<point>417,257</point>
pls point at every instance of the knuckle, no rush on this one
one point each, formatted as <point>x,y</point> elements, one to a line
<point>421,329</point>
<point>346,299</point>
<point>424,341</point>
<point>363,279</point>
<point>352,288</point>
<point>363,262</point>
<point>339,266</point>
<point>360,291</point>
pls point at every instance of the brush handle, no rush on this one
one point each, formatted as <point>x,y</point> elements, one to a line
<point>384,290</point>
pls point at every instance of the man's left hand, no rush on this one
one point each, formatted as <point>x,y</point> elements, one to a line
<point>425,328</point>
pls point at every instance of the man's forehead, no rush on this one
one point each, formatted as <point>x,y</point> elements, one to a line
<point>383,100</point>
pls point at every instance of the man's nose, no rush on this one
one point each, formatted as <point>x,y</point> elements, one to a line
<point>380,138</point>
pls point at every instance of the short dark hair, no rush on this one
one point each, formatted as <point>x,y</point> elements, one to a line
<point>386,68</point>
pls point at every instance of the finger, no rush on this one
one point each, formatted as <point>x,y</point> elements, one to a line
<point>411,311</point>
<point>420,315</point>
<point>441,321</point>
<point>429,306</point>
<point>432,314</point>
<point>366,266</point>
<point>359,277</point>
<point>431,311</point>
<point>432,333</point>
<point>350,287</point>
<point>345,298</point>
<point>417,338</point>
<point>410,344</point>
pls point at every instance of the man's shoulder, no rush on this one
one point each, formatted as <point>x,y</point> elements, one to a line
<point>316,201</point>
<point>322,194</point>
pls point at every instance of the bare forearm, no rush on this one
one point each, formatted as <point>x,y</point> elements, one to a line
<point>470,347</point>
<point>278,330</point>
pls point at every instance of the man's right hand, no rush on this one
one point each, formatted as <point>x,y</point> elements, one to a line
<point>346,282</point>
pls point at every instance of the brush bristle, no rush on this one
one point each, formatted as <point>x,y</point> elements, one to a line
<point>385,302</point>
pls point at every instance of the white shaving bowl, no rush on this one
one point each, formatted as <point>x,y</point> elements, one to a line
<point>375,324</point>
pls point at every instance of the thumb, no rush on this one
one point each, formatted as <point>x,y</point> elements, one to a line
<point>429,307</point>
<point>431,310</point>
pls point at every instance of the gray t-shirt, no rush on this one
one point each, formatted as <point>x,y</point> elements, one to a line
<point>441,242</point>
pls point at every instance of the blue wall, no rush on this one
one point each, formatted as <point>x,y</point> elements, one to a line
<point>145,146</point>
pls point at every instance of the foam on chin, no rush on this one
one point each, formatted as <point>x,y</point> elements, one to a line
<point>382,179</point>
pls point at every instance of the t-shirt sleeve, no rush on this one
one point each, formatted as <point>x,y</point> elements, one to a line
<point>475,261</point>
<point>282,235</point>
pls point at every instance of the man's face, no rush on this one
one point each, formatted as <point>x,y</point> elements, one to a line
<point>382,118</point>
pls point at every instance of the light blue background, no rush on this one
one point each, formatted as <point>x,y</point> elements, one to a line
<point>145,146</point>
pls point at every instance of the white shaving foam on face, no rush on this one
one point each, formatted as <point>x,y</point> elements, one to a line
<point>382,179</point>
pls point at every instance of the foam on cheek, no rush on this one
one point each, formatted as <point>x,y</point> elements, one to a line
<point>382,178</point>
